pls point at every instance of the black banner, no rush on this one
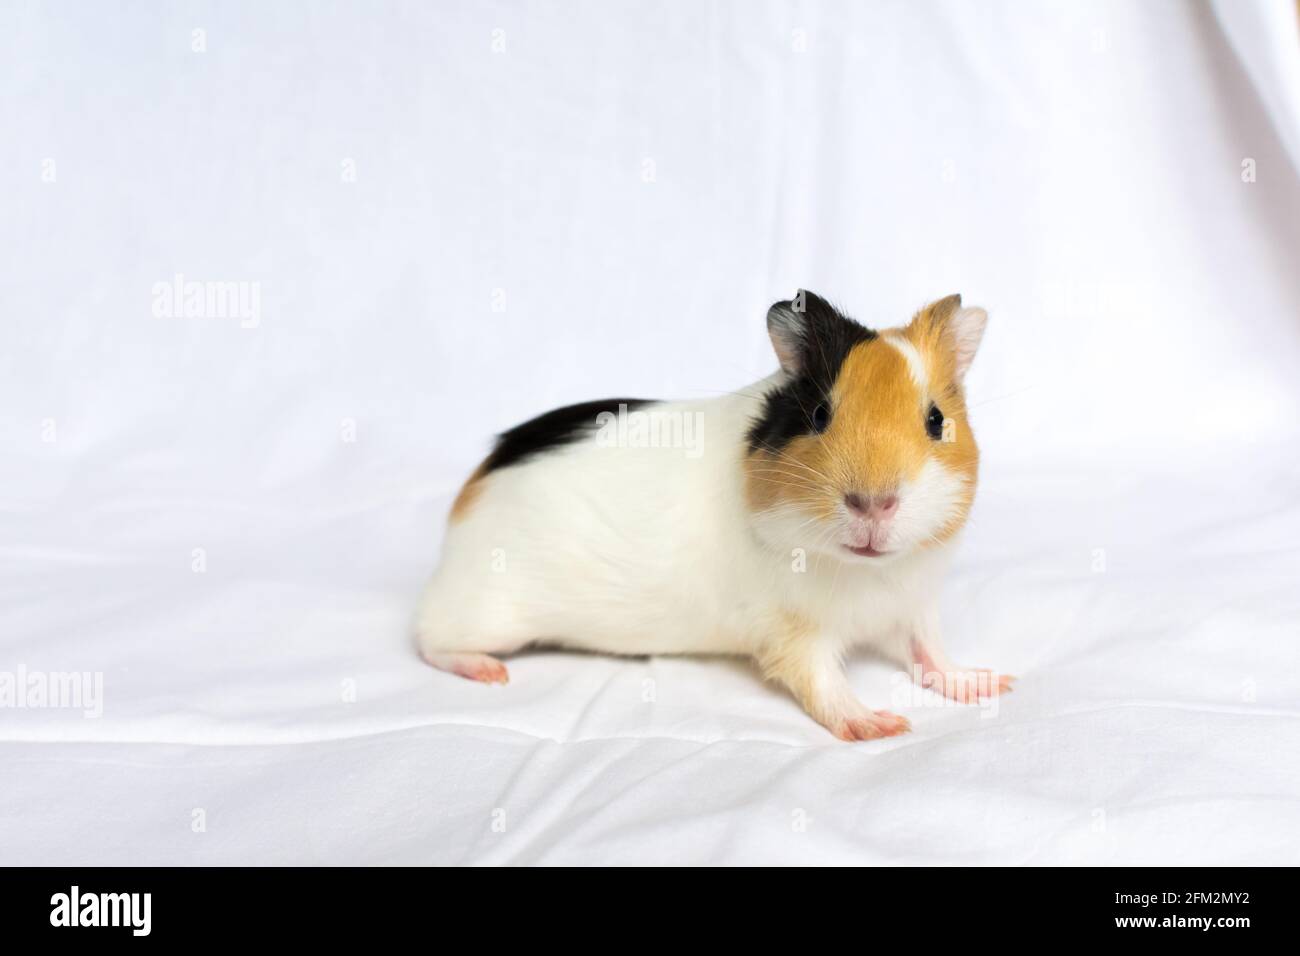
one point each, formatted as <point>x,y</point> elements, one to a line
<point>334,906</point>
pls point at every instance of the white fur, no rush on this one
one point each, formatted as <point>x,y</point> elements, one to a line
<point>652,550</point>
<point>915,364</point>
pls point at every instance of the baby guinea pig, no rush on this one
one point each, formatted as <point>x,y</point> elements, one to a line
<point>790,521</point>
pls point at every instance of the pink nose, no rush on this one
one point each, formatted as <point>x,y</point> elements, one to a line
<point>879,508</point>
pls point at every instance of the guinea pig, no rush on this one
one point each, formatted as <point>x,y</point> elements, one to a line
<point>790,521</point>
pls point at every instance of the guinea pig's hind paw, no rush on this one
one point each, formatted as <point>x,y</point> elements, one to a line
<point>871,725</point>
<point>480,667</point>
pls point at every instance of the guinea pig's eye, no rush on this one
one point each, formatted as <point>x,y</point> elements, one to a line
<point>821,418</point>
<point>934,423</point>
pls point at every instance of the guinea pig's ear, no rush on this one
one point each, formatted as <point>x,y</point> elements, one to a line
<point>959,328</point>
<point>787,325</point>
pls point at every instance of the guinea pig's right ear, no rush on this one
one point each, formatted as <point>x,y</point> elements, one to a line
<point>787,325</point>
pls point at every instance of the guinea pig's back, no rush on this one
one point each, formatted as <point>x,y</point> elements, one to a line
<point>610,540</point>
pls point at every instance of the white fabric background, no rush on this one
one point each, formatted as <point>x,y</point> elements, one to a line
<point>1075,168</point>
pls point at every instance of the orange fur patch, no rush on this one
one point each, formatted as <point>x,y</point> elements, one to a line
<point>469,493</point>
<point>928,331</point>
<point>878,422</point>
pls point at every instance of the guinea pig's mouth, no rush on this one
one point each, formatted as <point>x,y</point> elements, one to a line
<point>866,551</point>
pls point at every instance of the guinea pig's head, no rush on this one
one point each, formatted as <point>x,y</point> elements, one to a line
<point>862,448</point>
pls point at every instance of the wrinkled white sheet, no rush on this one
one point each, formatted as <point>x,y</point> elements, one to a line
<point>460,215</point>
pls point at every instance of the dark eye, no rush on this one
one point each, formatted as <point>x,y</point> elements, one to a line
<point>934,423</point>
<point>821,418</point>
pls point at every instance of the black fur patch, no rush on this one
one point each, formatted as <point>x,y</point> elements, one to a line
<point>552,429</point>
<point>825,338</point>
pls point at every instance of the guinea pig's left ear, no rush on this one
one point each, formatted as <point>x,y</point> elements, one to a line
<point>961,329</point>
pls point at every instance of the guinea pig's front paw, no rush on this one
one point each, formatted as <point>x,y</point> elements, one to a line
<point>868,725</point>
<point>968,686</point>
